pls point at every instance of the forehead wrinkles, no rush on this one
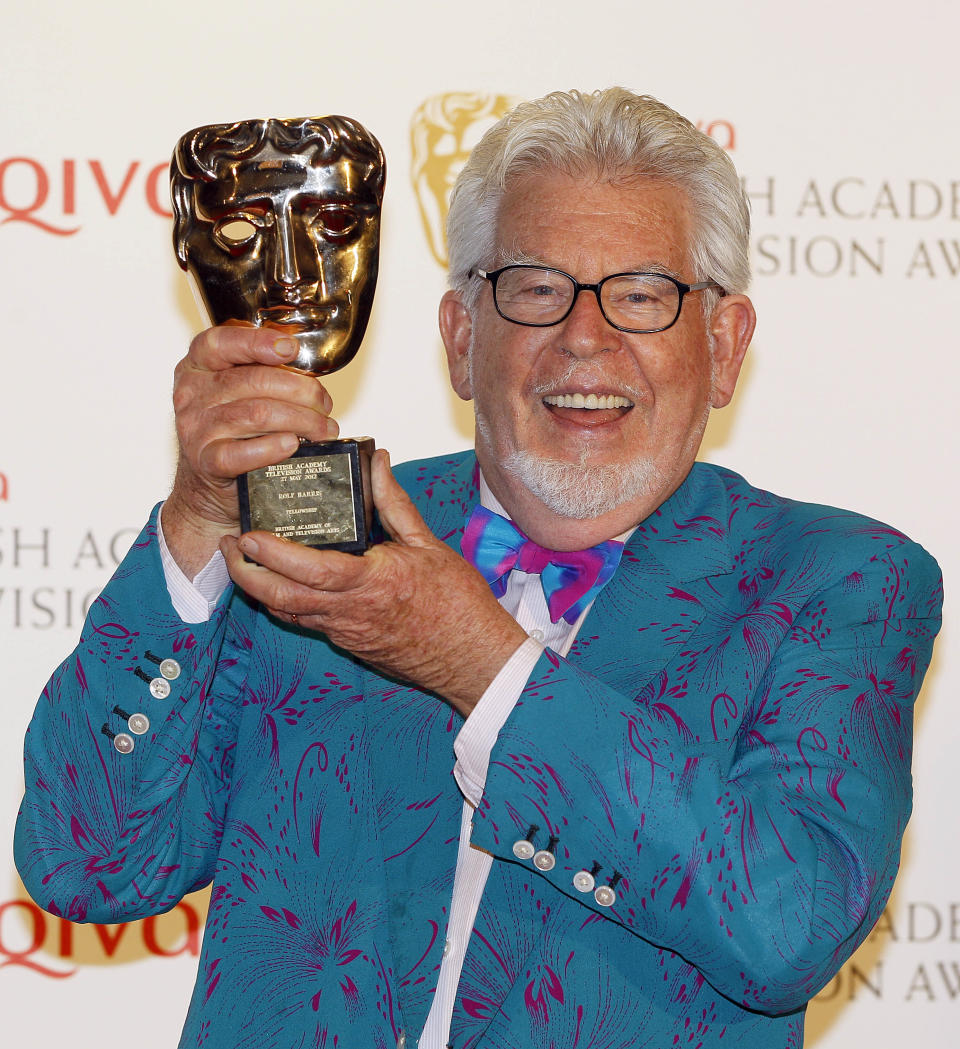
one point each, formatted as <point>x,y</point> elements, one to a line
<point>555,219</point>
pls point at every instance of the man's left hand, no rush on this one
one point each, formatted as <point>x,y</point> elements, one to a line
<point>412,608</point>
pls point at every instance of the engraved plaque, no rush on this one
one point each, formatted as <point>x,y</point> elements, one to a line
<point>320,496</point>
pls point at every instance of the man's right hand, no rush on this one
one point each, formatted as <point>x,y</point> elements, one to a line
<point>237,409</point>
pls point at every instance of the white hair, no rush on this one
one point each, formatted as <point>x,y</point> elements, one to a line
<point>613,133</point>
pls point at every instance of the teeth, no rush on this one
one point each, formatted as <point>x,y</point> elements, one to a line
<point>591,400</point>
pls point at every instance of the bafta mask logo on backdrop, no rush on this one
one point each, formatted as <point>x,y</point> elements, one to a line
<point>443,130</point>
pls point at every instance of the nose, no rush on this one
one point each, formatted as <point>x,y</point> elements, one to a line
<point>285,268</point>
<point>294,263</point>
<point>586,331</point>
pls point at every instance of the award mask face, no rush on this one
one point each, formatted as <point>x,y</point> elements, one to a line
<point>278,223</point>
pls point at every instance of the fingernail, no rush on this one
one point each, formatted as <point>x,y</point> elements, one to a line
<point>285,348</point>
<point>249,546</point>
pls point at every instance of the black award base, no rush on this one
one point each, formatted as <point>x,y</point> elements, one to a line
<point>320,496</point>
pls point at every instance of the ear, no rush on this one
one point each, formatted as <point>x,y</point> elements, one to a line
<point>731,326</point>
<point>456,329</point>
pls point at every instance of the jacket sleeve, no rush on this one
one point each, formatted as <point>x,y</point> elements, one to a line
<point>752,827</point>
<point>128,763</point>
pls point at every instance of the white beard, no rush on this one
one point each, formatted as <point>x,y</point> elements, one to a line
<point>580,491</point>
<point>583,491</point>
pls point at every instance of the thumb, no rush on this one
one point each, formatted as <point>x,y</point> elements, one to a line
<point>398,515</point>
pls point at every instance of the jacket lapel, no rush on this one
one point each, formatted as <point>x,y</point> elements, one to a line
<point>656,602</point>
<point>445,491</point>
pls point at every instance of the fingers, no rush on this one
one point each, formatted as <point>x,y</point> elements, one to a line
<point>227,458</point>
<point>398,515</point>
<point>243,416</point>
<point>219,442</point>
<point>297,579</point>
<point>289,575</point>
<point>234,363</point>
<point>230,344</point>
<point>237,411</point>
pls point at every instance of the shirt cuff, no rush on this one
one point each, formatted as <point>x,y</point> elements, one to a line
<point>193,600</point>
<point>479,733</point>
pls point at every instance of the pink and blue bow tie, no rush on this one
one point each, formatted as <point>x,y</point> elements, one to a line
<point>571,579</point>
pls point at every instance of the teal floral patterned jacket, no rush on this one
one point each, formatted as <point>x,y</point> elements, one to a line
<point>727,747</point>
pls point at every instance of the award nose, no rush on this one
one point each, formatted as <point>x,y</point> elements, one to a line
<point>286,266</point>
<point>294,267</point>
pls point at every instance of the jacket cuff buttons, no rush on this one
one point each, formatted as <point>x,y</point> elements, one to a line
<point>524,848</point>
<point>169,671</point>
<point>584,881</point>
<point>605,894</point>
<point>137,723</point>
<point>545,860</point>
<point>159,686</point>
<point>122,742</point>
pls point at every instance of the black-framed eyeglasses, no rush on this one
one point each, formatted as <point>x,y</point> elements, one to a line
<point>539,297</point>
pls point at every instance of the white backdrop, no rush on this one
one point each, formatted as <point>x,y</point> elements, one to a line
<point>842,118</point>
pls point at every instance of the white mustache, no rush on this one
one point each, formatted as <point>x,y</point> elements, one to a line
<point>579,374</point>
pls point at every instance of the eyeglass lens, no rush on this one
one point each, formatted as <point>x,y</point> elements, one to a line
<point>530,295</point>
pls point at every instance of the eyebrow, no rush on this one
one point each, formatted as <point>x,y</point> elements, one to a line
<point>518,257</point>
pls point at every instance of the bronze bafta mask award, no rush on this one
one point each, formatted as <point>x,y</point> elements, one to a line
<point>278,224</point>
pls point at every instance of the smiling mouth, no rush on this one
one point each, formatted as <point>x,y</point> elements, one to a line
<point>589,401</point>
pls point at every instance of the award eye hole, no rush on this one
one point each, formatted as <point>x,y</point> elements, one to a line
<point>337,220</point>
<point>236,231</point>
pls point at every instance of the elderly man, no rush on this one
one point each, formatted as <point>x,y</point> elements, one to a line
<point>638,778</point>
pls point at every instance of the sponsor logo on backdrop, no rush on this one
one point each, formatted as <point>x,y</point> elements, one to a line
<point>443,130</point>
<point>79,561</point>
<point>56,196</point>
<point>721,131</point>
<point>4,488</point>
<point>53,947</point>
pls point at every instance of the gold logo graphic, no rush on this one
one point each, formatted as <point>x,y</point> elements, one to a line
<point>443,130</point>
